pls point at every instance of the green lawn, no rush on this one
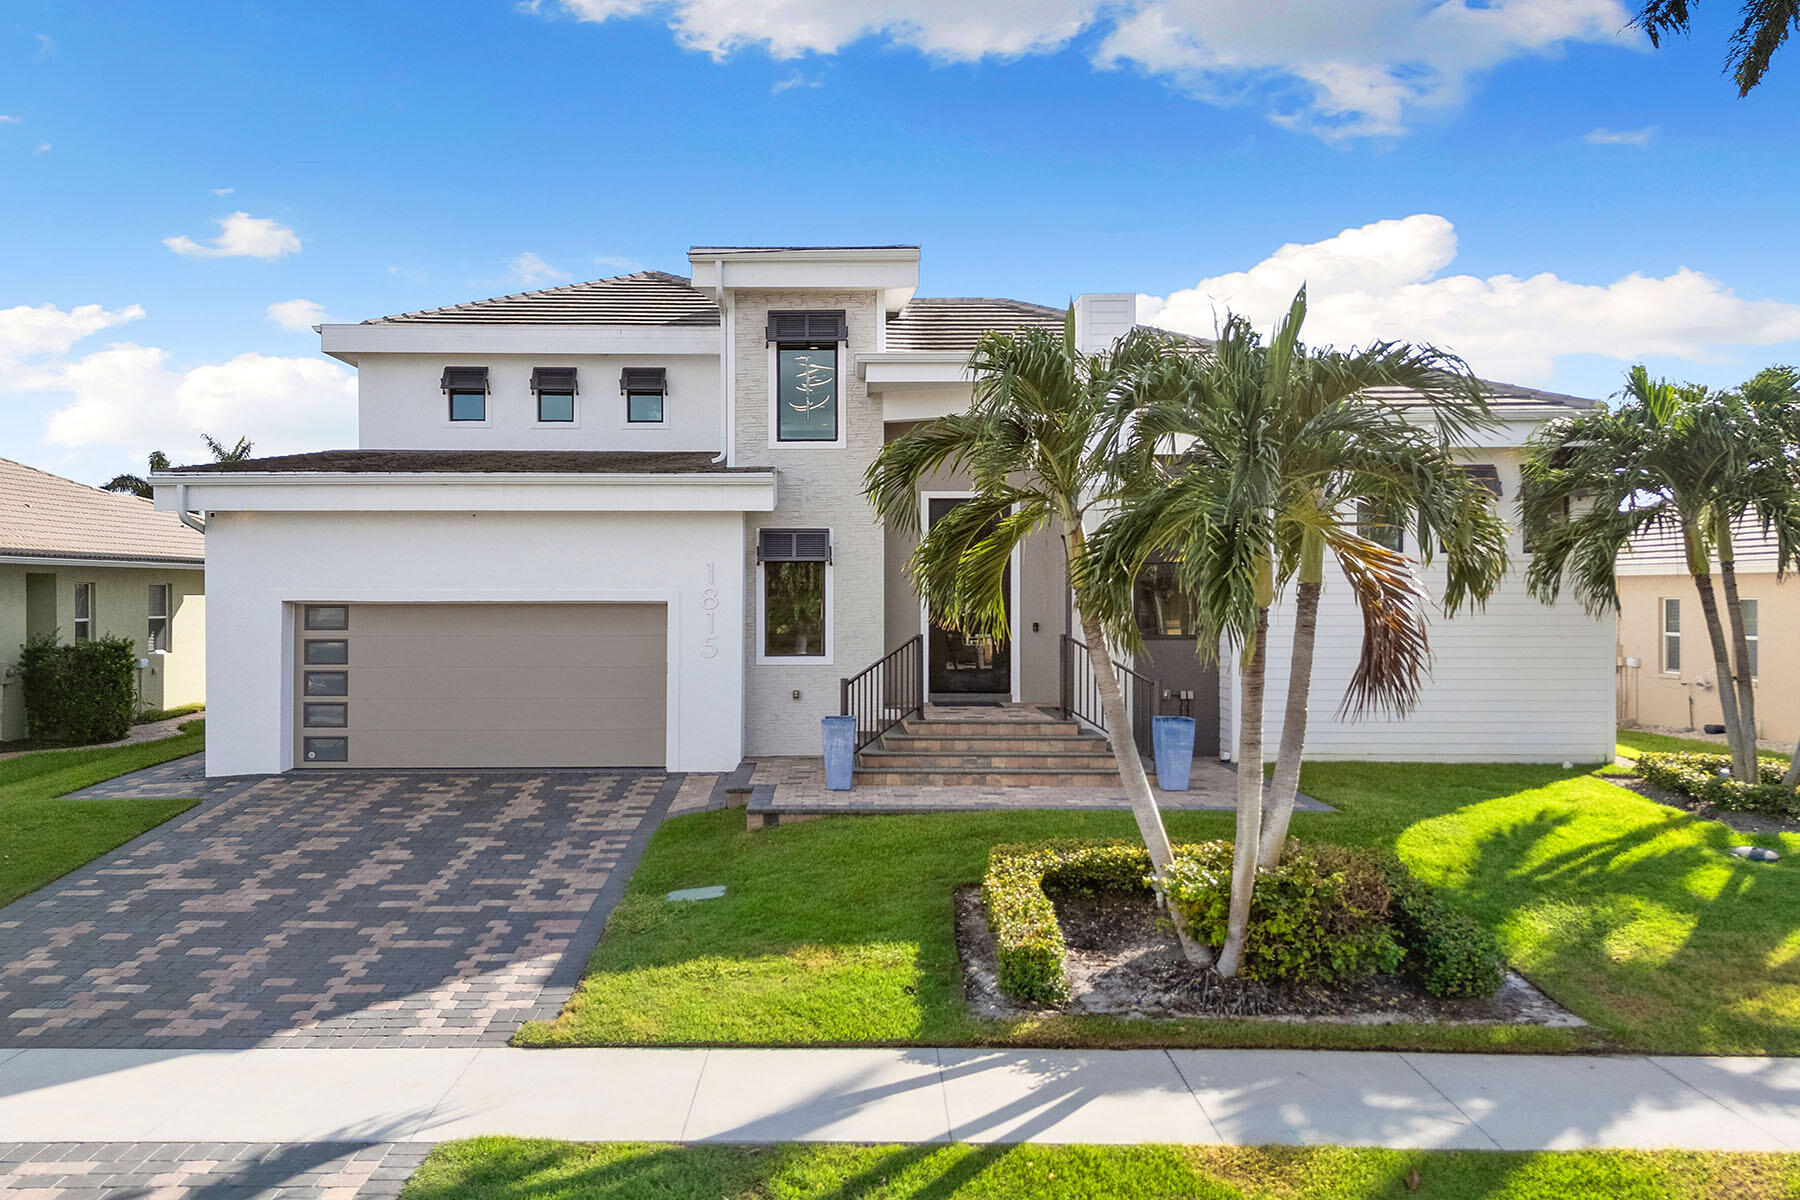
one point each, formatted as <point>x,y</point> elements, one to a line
<point>1633,742</point>
<point>42,837</point>
<point>839,931</point>
<point>513,1169</point>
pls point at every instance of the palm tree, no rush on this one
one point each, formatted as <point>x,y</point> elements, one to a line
<point>139,485</point>
<point>1035,446</point>
<point>1252,466</point>
<point>1675,459</point>
<point>1763,26</point>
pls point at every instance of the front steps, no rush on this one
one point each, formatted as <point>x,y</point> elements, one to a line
<point>1003,750</point>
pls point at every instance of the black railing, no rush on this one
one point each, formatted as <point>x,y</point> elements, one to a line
<point>1081,694</point>
<point>887,693</point>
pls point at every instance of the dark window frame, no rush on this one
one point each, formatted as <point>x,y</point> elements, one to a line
<point>837,394</point>
<point>307,708</point>
<point>779,553</point>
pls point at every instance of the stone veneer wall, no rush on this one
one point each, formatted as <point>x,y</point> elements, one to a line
<point>816,487</point>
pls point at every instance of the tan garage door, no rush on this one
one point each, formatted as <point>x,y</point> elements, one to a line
<point>480,685</point>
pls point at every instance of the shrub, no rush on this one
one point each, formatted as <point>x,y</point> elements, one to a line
<point>1447,951</point>
<point>77,694</point>
<point>1318,917</point>
<point>1028,939</point>
<point>1707,778</point>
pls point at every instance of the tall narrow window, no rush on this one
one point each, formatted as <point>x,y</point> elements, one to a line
<point>156,636</point>
<point>84,612</point>
<point>806,373</point>
<point>1749,607</point>
<point>1671,636</point>
<point>467,388</point>
<point>555,389</point>
<point>796,566</point>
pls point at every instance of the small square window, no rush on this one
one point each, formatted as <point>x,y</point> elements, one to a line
<point>556,406</point>
<point>327,616</point>
<point>326,683</point>
<point>644,407</point>
<point>468,406</point>
<point>326,749</point>
<point>326,715</point>
<point>327,652</point>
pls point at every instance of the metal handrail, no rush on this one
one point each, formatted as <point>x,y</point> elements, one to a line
<point>1081,693</point>
<point>886,693</point>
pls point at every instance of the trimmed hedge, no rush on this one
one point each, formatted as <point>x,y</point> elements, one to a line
<point>1026,933</point>
<point>1707,778</point>
<point>78,694</point>
<point>1447,951</point>
<point>1319,916</point>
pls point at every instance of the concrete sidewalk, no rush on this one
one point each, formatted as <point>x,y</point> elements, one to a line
<point>1249,1097</point>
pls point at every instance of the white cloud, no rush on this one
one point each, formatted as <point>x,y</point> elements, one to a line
<point>297,316</point>
<point>41,148</point>
<point>1363,69</point>
<point>1385,281</point>
<point>7,119</point>
<point>241,236</point>
<point>28,332</point>
<point>134,398</point>
<point>1620,137</point>
<point>796,80</point>
<point>221,191</point>
<point>532,271</point>
<point>615,263</point>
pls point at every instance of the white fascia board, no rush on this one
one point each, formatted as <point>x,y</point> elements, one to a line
<point>925,403</point>
<point>148,564</point>
<point>348,341</point>
<point>473,492</point>
<point>892,272</point>
<point>913,368</point>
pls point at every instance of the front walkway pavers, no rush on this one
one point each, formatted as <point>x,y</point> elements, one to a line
<point>139,1170</point>
<point>354,908</point>
<point>1261,1097</point>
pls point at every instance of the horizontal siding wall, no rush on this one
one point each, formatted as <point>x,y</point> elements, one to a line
<point>1519,681</point>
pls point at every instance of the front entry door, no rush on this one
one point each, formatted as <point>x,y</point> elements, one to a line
<point>963,667</point>
<point>1186,686</point>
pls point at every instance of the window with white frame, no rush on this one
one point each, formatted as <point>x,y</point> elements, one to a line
<point>84,612</point>
<point>1671,635</point>
<point>795,567</point>
<point>156,635</point>
<point>1749,610</point>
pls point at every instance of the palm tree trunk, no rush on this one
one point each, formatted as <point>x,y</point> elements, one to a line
<point>1728,706</point>
<point>1740,655</point>
<point>1286,786</point>
<point>1792,778</point>
<point>1249,800</point>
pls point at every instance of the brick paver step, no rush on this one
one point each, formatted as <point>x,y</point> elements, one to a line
<point>1018,777</point>
<point>962,729</point>
<point>907,742</point>
<point>926,760</point>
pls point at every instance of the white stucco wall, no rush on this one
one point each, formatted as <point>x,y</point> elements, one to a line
<point>1519,681</point>
<point>261,563</point>
<point>400,405</point>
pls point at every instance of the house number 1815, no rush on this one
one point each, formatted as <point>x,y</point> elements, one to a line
<point>709,604</point>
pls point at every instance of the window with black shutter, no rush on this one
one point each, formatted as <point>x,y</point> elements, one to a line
<point>467,388</point>
<point>795,563</point>
<point>555,388</point>
<point>645,389</point>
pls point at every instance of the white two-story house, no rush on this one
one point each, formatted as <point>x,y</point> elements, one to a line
<point>620,524</point>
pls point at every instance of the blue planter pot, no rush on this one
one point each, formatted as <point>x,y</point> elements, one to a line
<point>840,751</point>
<point>1174,739</point>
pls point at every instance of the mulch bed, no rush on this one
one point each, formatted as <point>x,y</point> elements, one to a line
<point>1124,961</point>
<point>1743,822</point>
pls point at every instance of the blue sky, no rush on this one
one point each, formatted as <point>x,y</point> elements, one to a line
<point>390,156</point>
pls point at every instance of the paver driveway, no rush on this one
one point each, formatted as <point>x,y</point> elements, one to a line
<point>356,908</point>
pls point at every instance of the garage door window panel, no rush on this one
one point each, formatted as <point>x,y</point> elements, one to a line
<point>326,715</point>
<point>327,749</point>
<point>327,683</point>
<point>327,616</point>
<point>327,652</point>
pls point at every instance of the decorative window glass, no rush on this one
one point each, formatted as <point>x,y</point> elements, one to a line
<point>806,398</point>
<point>156,635</point>
<point>327,616</point>
<point>1671,636</point>
<point>84,612</point>
<point>1749,609</point>
<point>795,563</point>
<point>1384,529</point>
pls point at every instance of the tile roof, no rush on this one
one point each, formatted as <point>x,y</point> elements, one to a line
<point>643,298</point>
<point>956,323</point>
<point>479,462</point>
<point>46,516</point>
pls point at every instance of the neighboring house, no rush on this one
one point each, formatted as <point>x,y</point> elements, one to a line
<point>620,523</point>
<point>1665,659</point>
<point>79,563</point>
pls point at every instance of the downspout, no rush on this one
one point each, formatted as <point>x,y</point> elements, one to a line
<point>181,510</point>
<point>727,368</point>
